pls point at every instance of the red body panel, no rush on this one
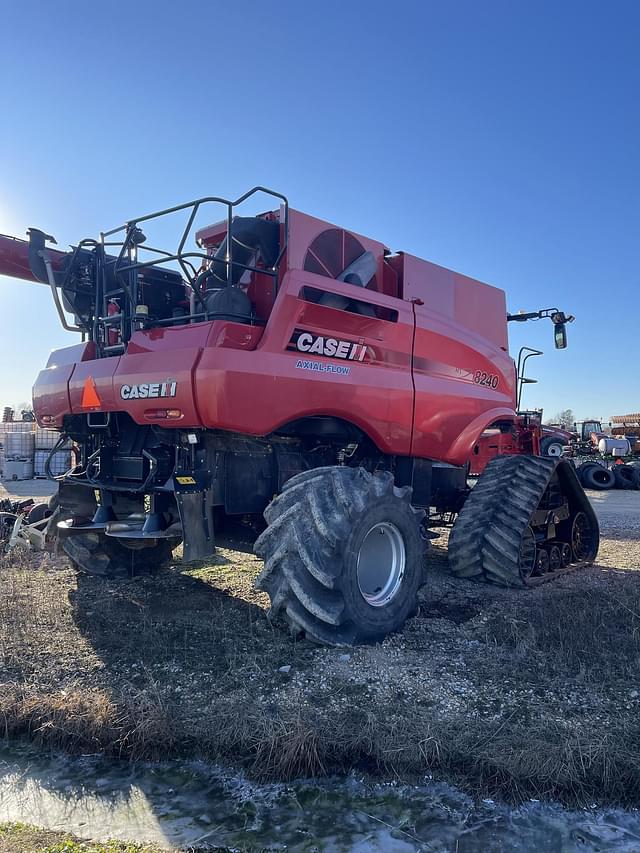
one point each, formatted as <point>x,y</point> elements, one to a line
<point>256,392</point>
<point>428,379</point>
<point>51,389</point>
<point>524,437</point>
<point>564,434</point>
<point>450,296</point>
<point>463,376</point>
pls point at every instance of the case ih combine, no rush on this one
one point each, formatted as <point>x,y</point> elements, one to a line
<point>286,367</point>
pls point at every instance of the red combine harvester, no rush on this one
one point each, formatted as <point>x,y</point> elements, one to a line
<point>289,367</point>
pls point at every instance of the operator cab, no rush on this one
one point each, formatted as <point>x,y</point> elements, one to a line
<point>588,428</point>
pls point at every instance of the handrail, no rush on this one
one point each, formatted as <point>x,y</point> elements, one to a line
<point>127,261</point>
<point>520,378</point>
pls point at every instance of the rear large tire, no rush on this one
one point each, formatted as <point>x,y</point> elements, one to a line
<point>551,446</point>
<point>343,555</point>
<point>97,554</point>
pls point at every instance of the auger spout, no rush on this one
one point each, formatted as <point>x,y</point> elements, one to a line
<point>14,259</point>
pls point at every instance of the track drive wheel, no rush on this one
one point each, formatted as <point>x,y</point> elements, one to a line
<point>555,558</point>
<point>98,554</point>
<point>542,562</point>
<point>343,555</point>
<point>583,536</point>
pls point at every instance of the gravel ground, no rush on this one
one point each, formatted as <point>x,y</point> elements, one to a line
<point>507,692</point>
<point>18,489</point>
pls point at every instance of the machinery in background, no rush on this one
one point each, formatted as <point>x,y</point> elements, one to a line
<point>25,523</point>
<point>627,426</point>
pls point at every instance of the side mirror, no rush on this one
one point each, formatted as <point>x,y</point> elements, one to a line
<point>560,335</point>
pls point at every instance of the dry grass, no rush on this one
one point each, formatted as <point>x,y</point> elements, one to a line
<point>22,838</point>
<point>85,721</point>
<point>588,634</point>
<point>507,694</point>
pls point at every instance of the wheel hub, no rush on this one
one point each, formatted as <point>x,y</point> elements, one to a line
<point>581,537</point>
<point>381,564</point>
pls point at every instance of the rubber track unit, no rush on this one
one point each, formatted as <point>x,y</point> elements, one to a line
<point>307,556</point>
<point>486,538</point>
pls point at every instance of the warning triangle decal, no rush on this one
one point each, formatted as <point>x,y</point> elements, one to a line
<point>90,399</point>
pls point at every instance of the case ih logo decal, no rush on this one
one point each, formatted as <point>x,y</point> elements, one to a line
<point>332,347</point>
<point>149,390</point>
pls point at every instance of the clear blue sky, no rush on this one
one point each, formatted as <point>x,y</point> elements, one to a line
<point>499,138</point>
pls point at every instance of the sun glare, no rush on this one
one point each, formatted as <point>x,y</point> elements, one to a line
<point>10,220</point>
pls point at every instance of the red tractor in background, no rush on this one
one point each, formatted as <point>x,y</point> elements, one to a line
<point>583,439</point>
<point>555,439</point>
<point>289,369</point>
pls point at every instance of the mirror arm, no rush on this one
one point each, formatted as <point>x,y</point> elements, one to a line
<point>557,317</point>
<point>554,314</point>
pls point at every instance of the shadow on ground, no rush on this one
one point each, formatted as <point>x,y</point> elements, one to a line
<point>507,693</point>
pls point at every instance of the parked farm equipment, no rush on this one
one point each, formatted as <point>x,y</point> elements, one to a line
<point>627,427</point>
<point>603,461</point>
<point>24,523</point>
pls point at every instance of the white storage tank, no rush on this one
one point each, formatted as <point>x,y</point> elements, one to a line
<point>18,445</point>
<point>39,463</point>
<point>614,446</point>
<point>18,469</point>
<point>18,426</point>
<point>60,463</point>
<point>46,439</point>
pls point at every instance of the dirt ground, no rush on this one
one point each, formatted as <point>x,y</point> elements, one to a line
<point>508,693</point>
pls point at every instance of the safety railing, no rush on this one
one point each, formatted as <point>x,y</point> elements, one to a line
<point>128,264</point>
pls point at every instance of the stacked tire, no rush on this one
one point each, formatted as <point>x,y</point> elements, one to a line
<point>636,469</point>
<point>592,475</point>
